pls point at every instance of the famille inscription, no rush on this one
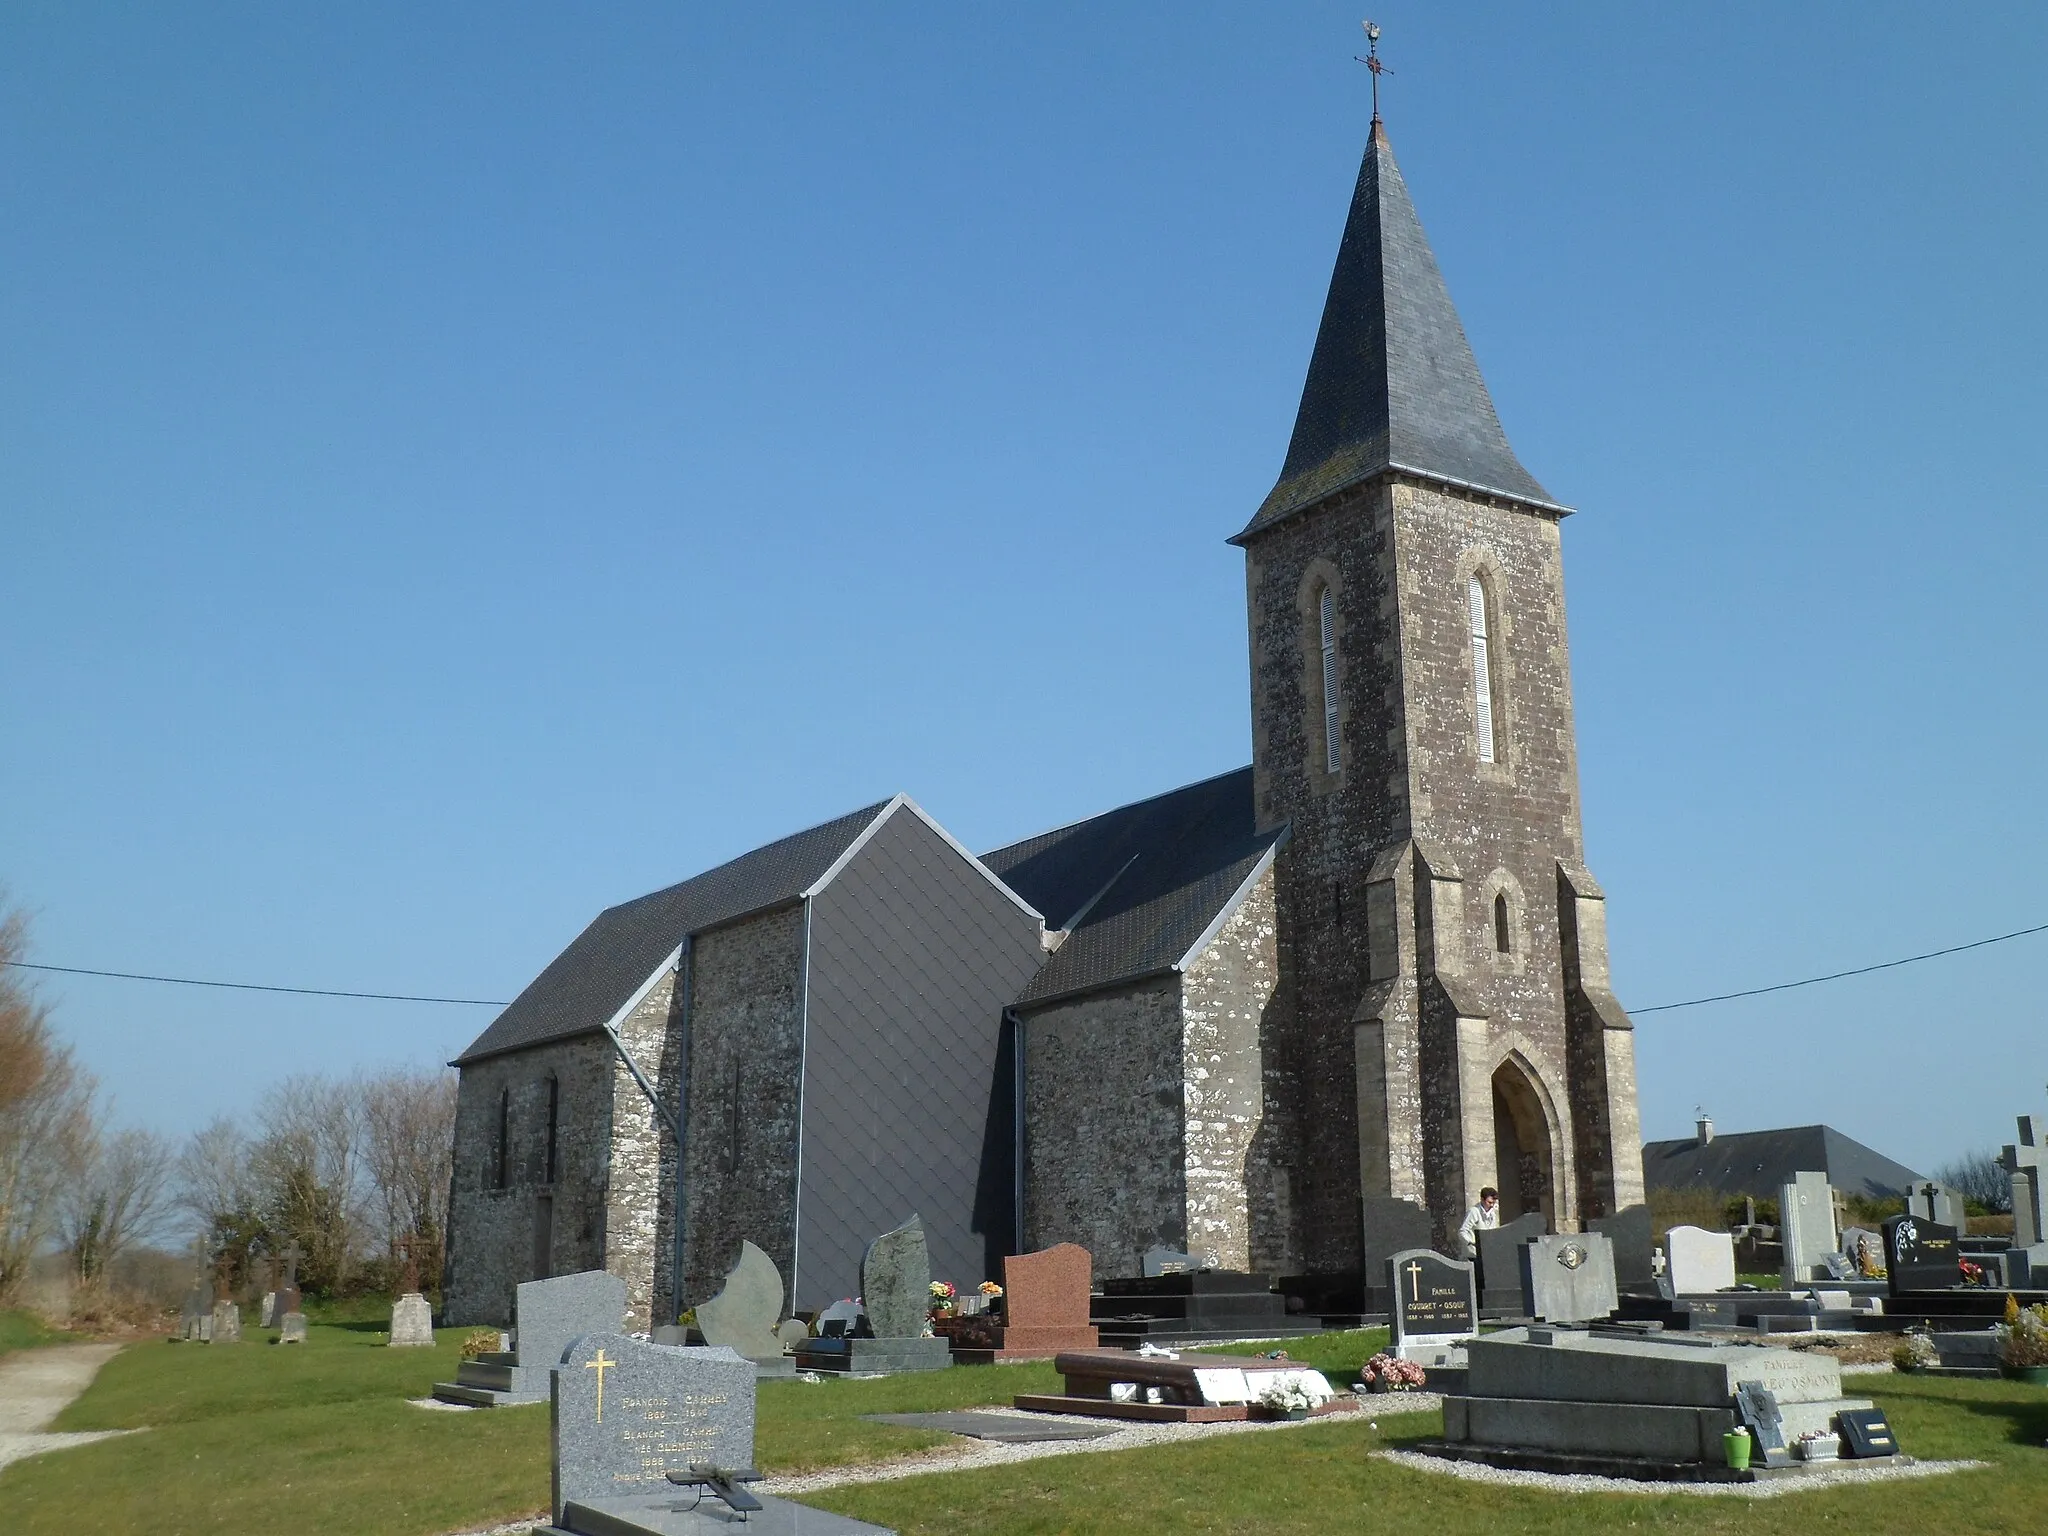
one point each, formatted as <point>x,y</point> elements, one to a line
<point>628,1413</point>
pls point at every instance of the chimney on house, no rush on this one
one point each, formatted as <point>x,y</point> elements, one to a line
<point>1703,1126</point>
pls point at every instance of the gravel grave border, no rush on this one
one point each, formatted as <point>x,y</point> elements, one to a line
<point>1885,1471</point>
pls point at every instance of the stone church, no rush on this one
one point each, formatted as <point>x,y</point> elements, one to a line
<point>1280,1017</point>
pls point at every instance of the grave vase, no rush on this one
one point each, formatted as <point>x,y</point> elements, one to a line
<point>2032,1375</point>
<point>1735,1446</point>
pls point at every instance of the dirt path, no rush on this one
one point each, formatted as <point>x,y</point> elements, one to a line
<point>38,1384</point>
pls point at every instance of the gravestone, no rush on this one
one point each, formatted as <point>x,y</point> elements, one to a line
<point>1839,1266</point>
<point>1569,1278</point>
<point>1390,1226</point>
<point>1699,1261</point>
<point>292,1328</point>
<point>1045,1302</point>
<point>412,1322</point>
<point>1500,1261</point>
<point>288,1297</point>
<point>743,1315</point>
<point>628,1413</point>
<point>2026,1165</point>
<point>227,1323</point>
<point>1761,1416</point>
<point>267,1309</point>
<point>1931,1202</point>
<point>1920,1255</point>
<point>1168,1261</point>
<point>1435,1300</point>
<point>1806,1225</point>
<point>1630,1230</point>
<point>636,1425</point>
<point>546,1315</point>
<point>196,1309</point>
<point>896,1282</point>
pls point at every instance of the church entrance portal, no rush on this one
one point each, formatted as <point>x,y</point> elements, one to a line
<point>1521,1145</point>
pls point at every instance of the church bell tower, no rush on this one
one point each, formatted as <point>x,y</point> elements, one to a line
<point>1445,1020</point>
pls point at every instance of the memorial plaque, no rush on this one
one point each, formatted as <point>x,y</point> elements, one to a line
<point>1758,1405</point>
<point>626,1414</point>
<point>1921,1255</point>
<point>1866,1433</point>
<point>1569,1278</point>
<point>1435,1299</point>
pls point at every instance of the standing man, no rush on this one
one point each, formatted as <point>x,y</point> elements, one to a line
<point>1483,1217</point>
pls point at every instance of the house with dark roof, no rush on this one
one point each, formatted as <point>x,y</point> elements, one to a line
<point>1763,1162</point>
<point>1289,1017</point>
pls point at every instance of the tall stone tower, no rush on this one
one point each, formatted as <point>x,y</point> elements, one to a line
<point>1446,1021</point>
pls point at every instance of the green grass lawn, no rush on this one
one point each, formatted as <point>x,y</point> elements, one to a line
<point>319,1440</point>
<point>24,1330</point>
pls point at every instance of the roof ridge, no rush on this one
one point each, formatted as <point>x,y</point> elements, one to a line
<point>869,811</point>
<point>1132,805</point>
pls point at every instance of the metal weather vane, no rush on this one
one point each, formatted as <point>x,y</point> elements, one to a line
<point>1371,60</point>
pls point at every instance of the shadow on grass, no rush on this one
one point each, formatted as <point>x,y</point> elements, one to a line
<point>2028,1422</point>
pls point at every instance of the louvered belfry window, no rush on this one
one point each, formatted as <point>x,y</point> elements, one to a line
<point>1482,674</point>
<point>1326,612</point>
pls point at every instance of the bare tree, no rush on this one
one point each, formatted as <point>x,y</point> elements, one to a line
<point>409,1150</point>
<point>306,1162</point>
<point>1978,1176</point>
<point>217,1187</point>
<point>46,1115</point>
<point>121,1198</point>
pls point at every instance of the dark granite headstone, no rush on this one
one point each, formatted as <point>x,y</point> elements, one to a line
<point>895,1282</point>
<point>1391,1227</point>
<point>1865,1432</point>
<point>1758,1406</point>
<point>1920,1255</point>
<point>626,1414</point>
<point>1435,1300</point>
<point>1168,1261</point>
<point>1635,1267</point>
<point>1500,1262</point>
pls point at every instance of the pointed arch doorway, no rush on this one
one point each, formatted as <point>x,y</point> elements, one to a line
<point>1522,1150</point>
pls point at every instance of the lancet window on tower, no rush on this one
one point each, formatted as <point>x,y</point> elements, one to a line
<point>1326,616</point>
<point>1482,670</point>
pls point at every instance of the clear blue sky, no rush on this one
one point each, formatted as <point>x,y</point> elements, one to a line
<point>462,467</point>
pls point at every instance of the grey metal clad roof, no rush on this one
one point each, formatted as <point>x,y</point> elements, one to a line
<point>1760,1162</point>
<point>1157,872</point>
<point>914,954</point>
<point>588,982</point>
<point>1392,383</point>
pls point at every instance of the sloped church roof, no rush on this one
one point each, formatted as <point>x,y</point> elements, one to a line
<point>1392,383</point>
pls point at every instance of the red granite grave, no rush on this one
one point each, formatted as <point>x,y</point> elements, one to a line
<point>1045,1307</point>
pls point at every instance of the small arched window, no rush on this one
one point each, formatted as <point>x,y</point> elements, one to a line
<point>1326,616</point>
<point>504,1158</point>
<point>1482,671</point>
<point>1503,941</point>
<point>554,1121</point>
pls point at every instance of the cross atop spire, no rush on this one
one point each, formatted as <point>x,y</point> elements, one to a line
<point>1371,61</point>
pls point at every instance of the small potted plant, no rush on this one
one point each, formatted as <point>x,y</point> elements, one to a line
<point>942,1299</point>
<point>1818,1445</point>
<point>2023,1342</point>
<point>1286,1400</point>
<point>992,1296</point>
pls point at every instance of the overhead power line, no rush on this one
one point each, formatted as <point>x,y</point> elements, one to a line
<point>485,1002</point>
<point>1861,970</point>
<point>252,986</point>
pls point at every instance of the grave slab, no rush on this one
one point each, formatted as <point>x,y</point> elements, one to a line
<point>674,1514</point>
<point>999,1428</point>
<point>1699,1262</point>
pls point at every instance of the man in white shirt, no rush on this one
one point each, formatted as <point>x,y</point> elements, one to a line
<point>1483,1217</point>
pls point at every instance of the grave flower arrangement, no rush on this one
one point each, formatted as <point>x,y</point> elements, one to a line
<point>1973,1274</point>
<point>2023,1337</point>
<point>1384,1373</point>
<point>943,1293</point>
<point>1286,1400</point>
<point>1818,1445</point>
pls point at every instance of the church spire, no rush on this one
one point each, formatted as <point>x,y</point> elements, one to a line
<point>1392,384</point>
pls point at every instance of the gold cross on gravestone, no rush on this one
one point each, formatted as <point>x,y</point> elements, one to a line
<point>1415,1279</point>
<point>599,1365</point>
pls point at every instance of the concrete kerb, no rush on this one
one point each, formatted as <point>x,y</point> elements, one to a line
<point>1888,1469</point>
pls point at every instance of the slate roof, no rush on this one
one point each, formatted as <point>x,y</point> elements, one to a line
<point>1761,1162</point>
<point>1392,383</point>
<point>599,973</point>
<point>1152,877</point>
